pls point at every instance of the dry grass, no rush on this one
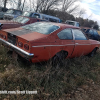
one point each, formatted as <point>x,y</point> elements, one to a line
<point>99,32</point>
<point>52,82</point>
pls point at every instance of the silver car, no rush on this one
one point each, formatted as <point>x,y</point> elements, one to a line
<point>12,13</point>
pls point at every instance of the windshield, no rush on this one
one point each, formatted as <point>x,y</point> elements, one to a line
<point>41,27</point>
<point>71,23</point>
<point>26,14</point>
<point>10,11</point>
<point>21,20</point>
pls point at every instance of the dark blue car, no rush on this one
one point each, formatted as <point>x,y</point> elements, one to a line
<point>91,33</point>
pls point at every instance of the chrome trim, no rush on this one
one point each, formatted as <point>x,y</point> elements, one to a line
<point>18,50</point>
<point>57,45</point>
<point>51,45</point>
<point>73,34</point>
<point>76,43</point>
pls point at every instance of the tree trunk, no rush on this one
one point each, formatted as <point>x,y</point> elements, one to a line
<point>23,5</point>
<point>5,2</point>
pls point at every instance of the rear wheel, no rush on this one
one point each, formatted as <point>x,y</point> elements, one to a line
<point>93,52</point>
<point>59,58</point>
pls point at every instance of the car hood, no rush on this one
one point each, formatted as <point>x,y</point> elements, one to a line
<point>26,34</point>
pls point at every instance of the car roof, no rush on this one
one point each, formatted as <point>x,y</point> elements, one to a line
<point>64,25</point>
<point>86,28</point>
<point>14,9</point>
<point>33,18</point>
<point>71,21</point>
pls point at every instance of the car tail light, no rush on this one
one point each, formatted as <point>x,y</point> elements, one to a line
<point>20,44</point>
<point>4,36</point>
<point>26,46</point>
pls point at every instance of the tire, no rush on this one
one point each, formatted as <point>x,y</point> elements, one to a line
<point>93,52</point>
<point>59,58</point>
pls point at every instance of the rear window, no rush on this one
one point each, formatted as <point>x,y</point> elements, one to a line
<point>79,35</point>
<point>41,27</point>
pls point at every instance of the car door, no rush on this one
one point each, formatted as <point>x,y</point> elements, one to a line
<point>82,44</point>
<point>66,40</point>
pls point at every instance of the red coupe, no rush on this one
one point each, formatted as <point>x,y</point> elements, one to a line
<point>44,40</point>
<point>17,22</point>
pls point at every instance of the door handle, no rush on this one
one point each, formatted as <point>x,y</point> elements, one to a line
<point>76,43</point>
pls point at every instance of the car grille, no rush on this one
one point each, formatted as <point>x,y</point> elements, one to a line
<point>12,38</point>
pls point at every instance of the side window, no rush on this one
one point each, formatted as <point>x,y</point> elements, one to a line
<point>79,35</point>
<point>91,32</point>
<point>95,32</point>
<point>65,34</point>
<point>52,20</point>
<point>71,23</point>
<point>18,13</point>
<point>36,16</point>
<point>46,18</point>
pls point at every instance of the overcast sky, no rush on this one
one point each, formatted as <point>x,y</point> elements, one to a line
<point>92,8</point>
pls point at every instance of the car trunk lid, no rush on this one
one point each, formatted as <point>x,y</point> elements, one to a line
<point>25,34</point>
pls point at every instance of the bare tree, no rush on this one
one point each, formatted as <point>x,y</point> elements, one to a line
<point>12,3</point>
<point>45,5</point>
<point>70,6</point>
<point>81,12</point>
<point>5,3</point>
<point>1,3</point>
<point>19,5</point>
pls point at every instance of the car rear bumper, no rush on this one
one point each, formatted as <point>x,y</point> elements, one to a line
<point>18,50</point>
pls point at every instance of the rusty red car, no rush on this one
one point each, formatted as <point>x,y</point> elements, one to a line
<point>42,41</point>
<point>17,22</point>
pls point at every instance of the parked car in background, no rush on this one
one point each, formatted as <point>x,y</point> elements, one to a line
<point>91,33</point>
<point>74,23</point>
<point>2,12</point>
<point>17,22</point>
<point>3,9</point>
<point>42,41</point>
<point>12,13</point>
<point>42,16</point>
